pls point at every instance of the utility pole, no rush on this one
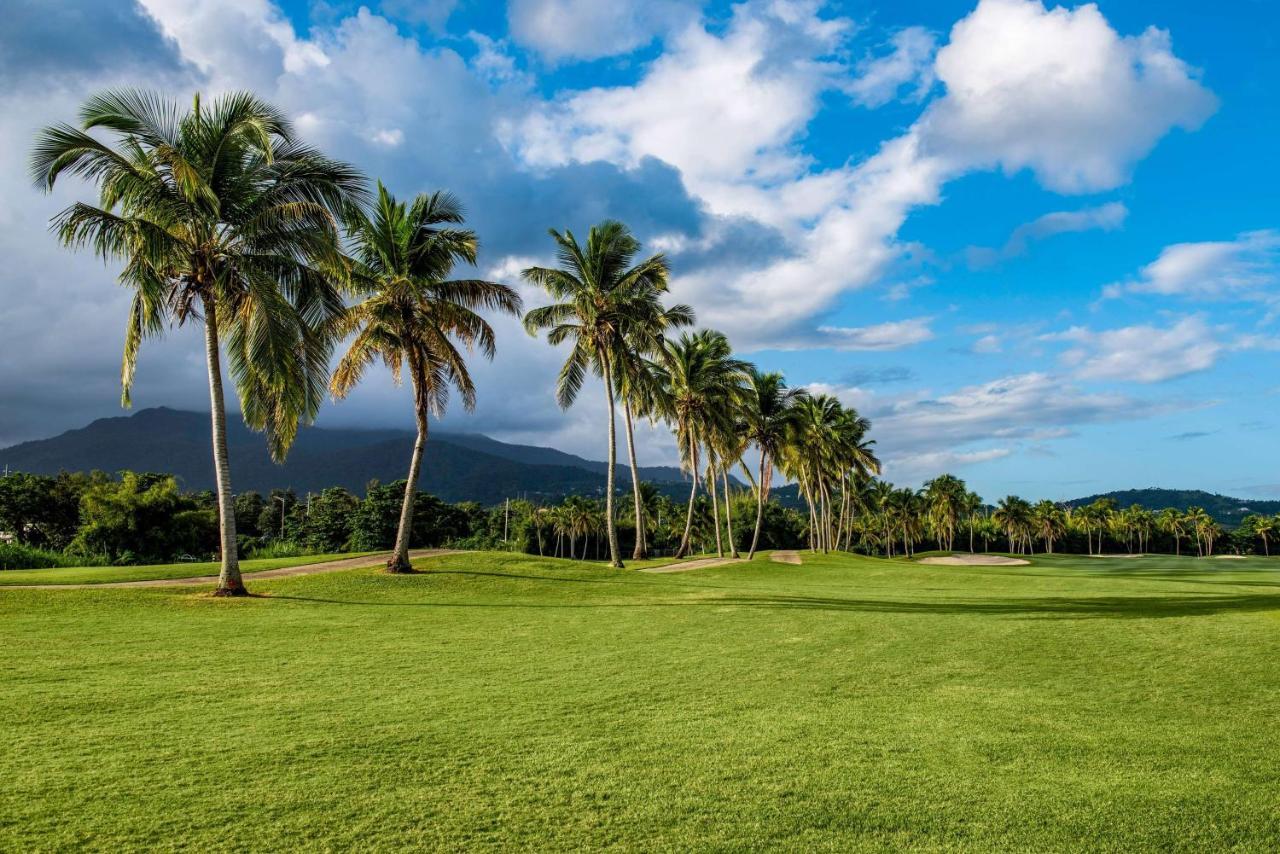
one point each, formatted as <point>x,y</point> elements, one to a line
<point>506,519</point>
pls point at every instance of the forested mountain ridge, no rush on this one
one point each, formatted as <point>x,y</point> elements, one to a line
<point>458,466</point>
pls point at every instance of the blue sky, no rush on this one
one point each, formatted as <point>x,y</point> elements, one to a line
<point>1038,245</point>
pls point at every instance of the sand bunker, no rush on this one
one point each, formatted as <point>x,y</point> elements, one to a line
<point>1229,557</point>
<point>975,560</point>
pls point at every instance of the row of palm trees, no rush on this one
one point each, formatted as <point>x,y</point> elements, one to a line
<point>895,521</point>
<point>607,305</point>
<point>221,216</point>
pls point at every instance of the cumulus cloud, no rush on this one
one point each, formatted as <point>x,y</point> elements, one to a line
<point>1141,353</point>
<point>562,30</point>
<point>1058,92</point>
<point>1245,268</point>
<point>910,64</point>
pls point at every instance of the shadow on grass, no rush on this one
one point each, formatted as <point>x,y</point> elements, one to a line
<point>1113,607</point>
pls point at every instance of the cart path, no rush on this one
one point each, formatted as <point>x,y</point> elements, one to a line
<point>687,565</point>
<point>786,556</point>
<point>284,572</point>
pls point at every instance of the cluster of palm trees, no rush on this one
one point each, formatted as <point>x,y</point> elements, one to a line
<point>895,521</point>
<point>607,305</point>
<point>223,217</point>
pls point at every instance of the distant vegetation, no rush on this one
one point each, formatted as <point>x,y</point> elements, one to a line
<point>143,518</point>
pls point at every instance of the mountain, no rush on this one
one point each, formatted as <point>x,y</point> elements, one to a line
<point>457,466</point>
<point>1227,510</point>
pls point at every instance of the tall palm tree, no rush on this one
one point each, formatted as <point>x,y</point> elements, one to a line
<point>944,496</point>
<point>1049,521</point>
<point>1013,515</point>
<point>767,419</point>
<point>413,315</point>
<point>699,382</point>
<point>1172,522</point>
<point>222,217</point>
<point>599,295</point>
<point>643,339</point>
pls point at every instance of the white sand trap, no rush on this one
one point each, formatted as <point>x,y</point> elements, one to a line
<point>1118,555</point>
<point>975,560</point>
<point>1229,557</point>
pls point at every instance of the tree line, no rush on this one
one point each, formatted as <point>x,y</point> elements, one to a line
<point>222,217</point>
<point>76,519</point>
<point>900,521</point>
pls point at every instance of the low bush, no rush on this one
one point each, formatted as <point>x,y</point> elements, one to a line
<point>277,548</point>
<point>18,556</point>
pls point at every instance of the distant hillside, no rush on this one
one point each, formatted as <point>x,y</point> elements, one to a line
<point>1227,510</point>
<point>458,467</point>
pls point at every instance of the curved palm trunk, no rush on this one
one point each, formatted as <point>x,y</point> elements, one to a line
<point>641,550</point>
<point>728,514</point>
<point>229,580</point>
<point>399,560</point>
<point>760,497</point>
<point>693,494</point>
<point>615,560</point>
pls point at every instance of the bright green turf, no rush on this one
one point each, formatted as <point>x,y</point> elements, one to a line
<point>498,701</point>
<point>105,574</point>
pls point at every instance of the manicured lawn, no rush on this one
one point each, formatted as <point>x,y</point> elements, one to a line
<point>105,574</point>
<point>496,701</point>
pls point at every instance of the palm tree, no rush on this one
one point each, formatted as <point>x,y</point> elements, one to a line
<point>413,313</point>
<point>1172,523</point>
<point>222,217</point>
<point>767,419</point>
<point>698,384</point>
<point>1049,521</point>
<point>945,496</point>
<point>643,339</point>
<point>972,506</point>
<point>600,296</point>
<point>1013,515</point>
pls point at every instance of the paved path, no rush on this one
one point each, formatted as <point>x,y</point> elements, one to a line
<point>285,572</point>
<point>701,563</point>
<point>785,556</point>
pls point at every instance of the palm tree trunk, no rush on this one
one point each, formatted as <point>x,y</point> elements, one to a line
<point>728,514</point>
<point>693,494</point>
<point>755,536</point>
<point>229,581</point>
<point>615,559</point>
<point>642,547</point>
<point>399,560</point>
<point>715,502</point>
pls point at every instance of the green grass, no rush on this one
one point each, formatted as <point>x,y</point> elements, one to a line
<point>499,701</point>
<point>106,574</point>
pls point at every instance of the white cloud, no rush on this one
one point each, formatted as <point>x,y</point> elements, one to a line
<point>921,435</point>
<point>895,335</point>
<point>588,29</point>
<point>987,344</point>
<point>1107,217</point>
<point>879,79</point>
<point>1058,92</point>
<point>1245,268</point>
<point>1054,91</point>
<point>1141,353</point>
<point>916,468</point>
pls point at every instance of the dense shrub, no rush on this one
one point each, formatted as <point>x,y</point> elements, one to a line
<point>19,556</point>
